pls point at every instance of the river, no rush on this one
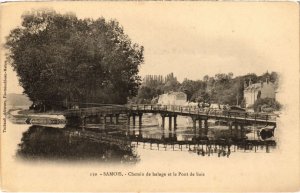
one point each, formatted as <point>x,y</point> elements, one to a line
<point>131,144</point>
<point>53,157</point>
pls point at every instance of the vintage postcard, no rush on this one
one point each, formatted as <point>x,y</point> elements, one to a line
<point>149,96</point>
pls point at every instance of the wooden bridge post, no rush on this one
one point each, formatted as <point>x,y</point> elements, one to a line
<point>195,132</point>
<point>127,133</point>
<point>163,121</point>
<point>133,119</point>
<point>242,130</point>
<point>205,126</point>
<point>170,122</point>
<point>236,126</point>
<point>200,127</point>
<point>200,123</point>
<point>163,134</point>
<point>194,119</point>
<point>128,119</point>
<point>104,120</point>
<point>175,121</point>
<point>140,118</point>
<point>230,128</point>
<point>140,131</point>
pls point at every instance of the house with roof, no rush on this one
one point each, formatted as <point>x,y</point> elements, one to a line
<point>172,98</point>
<point>252,92</point>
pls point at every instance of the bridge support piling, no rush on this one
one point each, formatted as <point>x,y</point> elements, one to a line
<point>242,130</point>
<point>205,127</point>
<point>128,119</point>
<point>200,127</point>
<point>194,122</point>
<point>163,121</point>
<point>200,123</point>
<point>170,122</point>
<point>175,121</point>
<point>140,131</point>
<point>195,132</point>
<point>230,127</point>
<point>140,118</point>
<point>133,119</point>
<point>236,129</point>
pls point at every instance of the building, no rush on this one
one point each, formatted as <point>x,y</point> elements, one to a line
<point>173,98</point>
<point>258,90</point>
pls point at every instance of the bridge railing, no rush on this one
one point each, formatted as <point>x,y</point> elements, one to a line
<point>204,111</point>
<point>105,109</point>
<point>115,109</point>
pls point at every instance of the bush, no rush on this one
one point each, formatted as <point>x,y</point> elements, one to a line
<point>266,105</point>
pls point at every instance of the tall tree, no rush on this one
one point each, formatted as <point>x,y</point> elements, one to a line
<point>60,57</point>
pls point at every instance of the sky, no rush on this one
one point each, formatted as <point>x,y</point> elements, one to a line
<point>190,39</point>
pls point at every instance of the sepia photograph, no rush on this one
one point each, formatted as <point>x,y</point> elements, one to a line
<point>149,96</point>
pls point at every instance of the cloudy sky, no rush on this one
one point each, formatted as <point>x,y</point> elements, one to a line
<point>191,39</point>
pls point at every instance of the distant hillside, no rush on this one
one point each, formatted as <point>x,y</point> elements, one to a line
<point>14,99</point>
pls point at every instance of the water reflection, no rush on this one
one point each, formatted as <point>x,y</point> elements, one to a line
<point>121,143</point>
<point>40,142</point>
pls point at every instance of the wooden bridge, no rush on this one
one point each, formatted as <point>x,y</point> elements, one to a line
<point>100,114</point>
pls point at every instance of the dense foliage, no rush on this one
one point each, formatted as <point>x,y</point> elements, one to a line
<point>62,58</point>
<point>266,105</point>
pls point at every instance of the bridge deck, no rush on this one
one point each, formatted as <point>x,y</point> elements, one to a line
<point>259,118</point>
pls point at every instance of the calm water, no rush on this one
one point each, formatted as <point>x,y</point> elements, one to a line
<point>131,144</point>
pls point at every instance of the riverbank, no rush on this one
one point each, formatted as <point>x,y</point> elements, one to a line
<point>25,116</point>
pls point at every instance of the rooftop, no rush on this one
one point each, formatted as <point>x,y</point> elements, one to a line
<point>257,86</point>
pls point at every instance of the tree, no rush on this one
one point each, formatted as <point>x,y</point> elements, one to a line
<point>202,97</point>
<point>147,94</point>
<point>222,88</point>
<point>206,78</point>
<point>171,85</point>
<point>193,88</point>
<point>60,57</point>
